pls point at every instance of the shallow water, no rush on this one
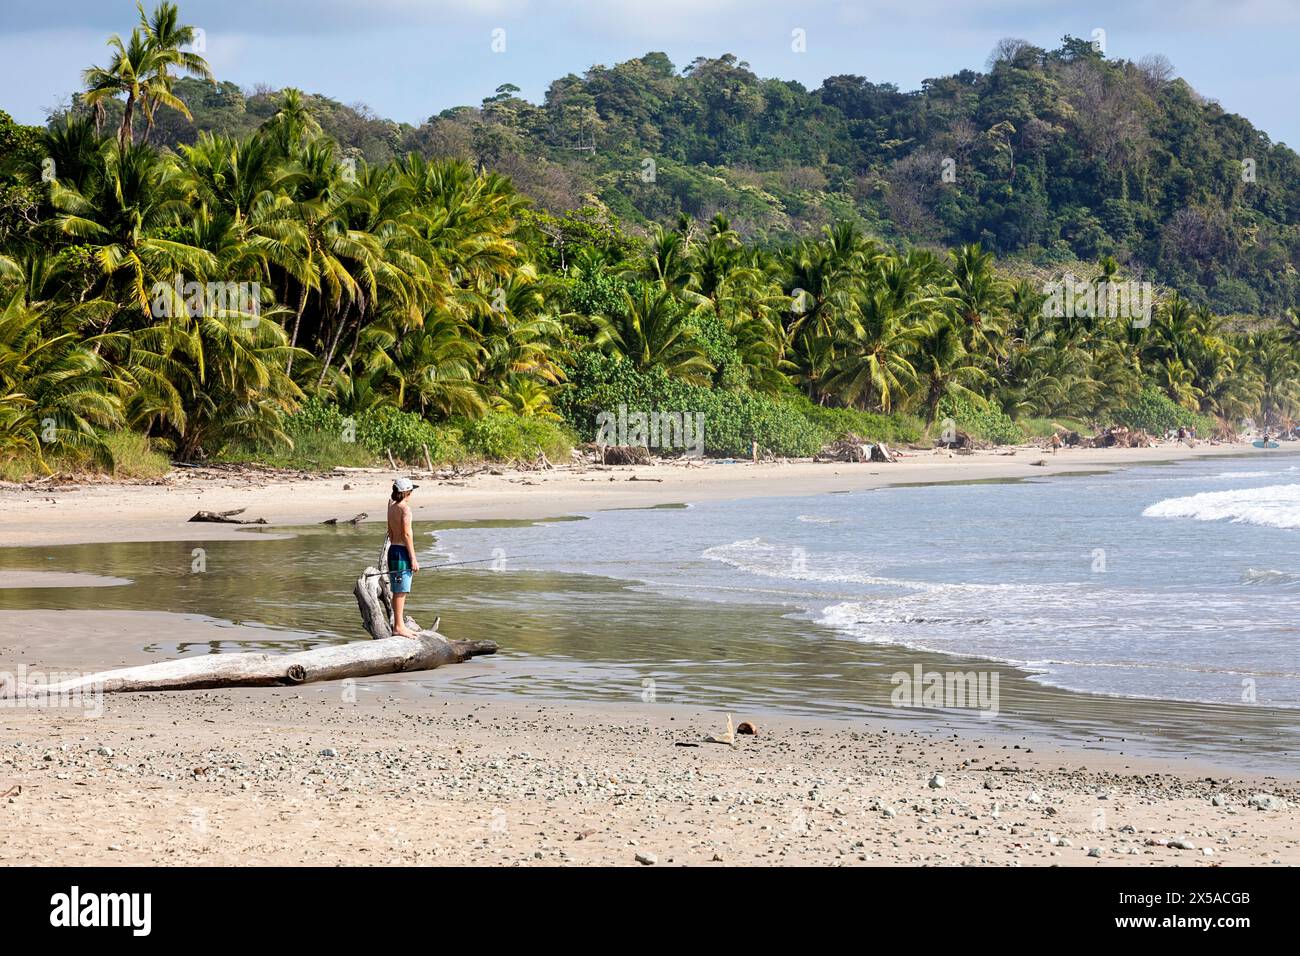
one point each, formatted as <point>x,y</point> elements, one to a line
<point>1123,586</point>
<point>1173,582</point>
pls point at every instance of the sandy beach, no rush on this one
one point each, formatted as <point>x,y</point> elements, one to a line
<point>57,513</point>
<point>303,777</point>
<point>373,774</point>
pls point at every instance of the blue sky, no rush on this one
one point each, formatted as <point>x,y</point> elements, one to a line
<point>408,59</point>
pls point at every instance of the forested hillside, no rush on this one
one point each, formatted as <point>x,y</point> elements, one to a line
<point>1055,155</point>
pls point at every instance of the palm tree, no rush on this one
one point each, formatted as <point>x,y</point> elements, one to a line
<point>666,260</point>
<point>226,368</point>
<point>428,368</point>
<point>812,356</point>
<point>1177,381</point>
<point>1173,330</point>
<point>518,334</point>
<point>78,152</point>
<point>166,37</point>
<point>979,299</point>
<point>1278,370</point>
<point>847,247</point>
<point>123,219</point>
<point>133,72</point>
<point>944,368</point>
<point>293,124</point>
<point>821,284</point>
<point>326,250</point>
<point>525,397</point>
<point>54,391</point>
<point>872,364</point>
<point>650,332</point>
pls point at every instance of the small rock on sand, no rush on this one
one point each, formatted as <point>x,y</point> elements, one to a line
<point>1266,801</point>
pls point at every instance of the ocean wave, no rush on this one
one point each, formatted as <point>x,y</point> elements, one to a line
<point>1267,577</point>
<point>764,559</point>
<point>852,614</point>
<point>869,623</point>
<point>818,519</point>
<point>1237,475</point>
<point>756,556</point>
<point>1274,506</point>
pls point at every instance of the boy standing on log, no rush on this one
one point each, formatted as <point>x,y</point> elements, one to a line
<point>402,562</point>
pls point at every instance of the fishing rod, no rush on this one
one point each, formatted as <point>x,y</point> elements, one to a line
<point>452,564</point>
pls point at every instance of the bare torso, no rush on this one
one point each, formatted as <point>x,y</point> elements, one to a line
<point>397,516</point>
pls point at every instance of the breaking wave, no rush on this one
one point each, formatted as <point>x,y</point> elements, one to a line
<point>1275,506</point>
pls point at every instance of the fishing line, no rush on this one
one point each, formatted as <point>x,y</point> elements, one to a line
<point>455,564</point>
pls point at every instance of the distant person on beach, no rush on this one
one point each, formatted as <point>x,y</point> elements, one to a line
<point>402,562</point>
<point>1056,442</point>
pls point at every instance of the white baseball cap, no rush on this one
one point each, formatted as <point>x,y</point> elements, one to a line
<point>404,485</point>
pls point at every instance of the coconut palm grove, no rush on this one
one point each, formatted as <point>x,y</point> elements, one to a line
<point>190,272</point>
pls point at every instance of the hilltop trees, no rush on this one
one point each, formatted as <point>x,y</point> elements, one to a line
<point>139,70</point>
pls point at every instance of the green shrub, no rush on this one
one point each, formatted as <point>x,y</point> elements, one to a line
<point>320,428</point>
<point>1155,413</point>
<point>324,437</point>
<point>1046,427</point>
<point>315,415</point>
<point>406,434</point>
<point>988,423</point>
<point>503,436</point>
<point>732,419</point>
<point>836,423</point>
<point>133,456</point>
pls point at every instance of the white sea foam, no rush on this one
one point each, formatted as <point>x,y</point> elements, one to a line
<point>1268,577</point>
<point>1237,475</point>
<point>756,556</point>
<point>759,557</point>
<point>1275,506</point>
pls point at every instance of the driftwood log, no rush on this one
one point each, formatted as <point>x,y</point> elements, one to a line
<point>880,453</point>
<point>354,520</point>
<point>384,654</point>
<point>225,517</point>
<point>849,448</point>
<point>624,455</point>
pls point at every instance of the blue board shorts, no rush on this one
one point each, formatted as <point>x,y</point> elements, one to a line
<point>399,569</point>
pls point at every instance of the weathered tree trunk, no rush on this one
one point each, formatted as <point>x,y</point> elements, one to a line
<point>385,654</point>
<point>297,321</point>
<point>334,344</point>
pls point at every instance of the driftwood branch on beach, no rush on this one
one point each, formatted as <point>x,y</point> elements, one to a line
<point>225,517</point>
<point>384,654</point>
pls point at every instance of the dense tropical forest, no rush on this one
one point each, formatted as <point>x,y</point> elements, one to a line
<point>194,272</point>
<point>1054,156</point>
